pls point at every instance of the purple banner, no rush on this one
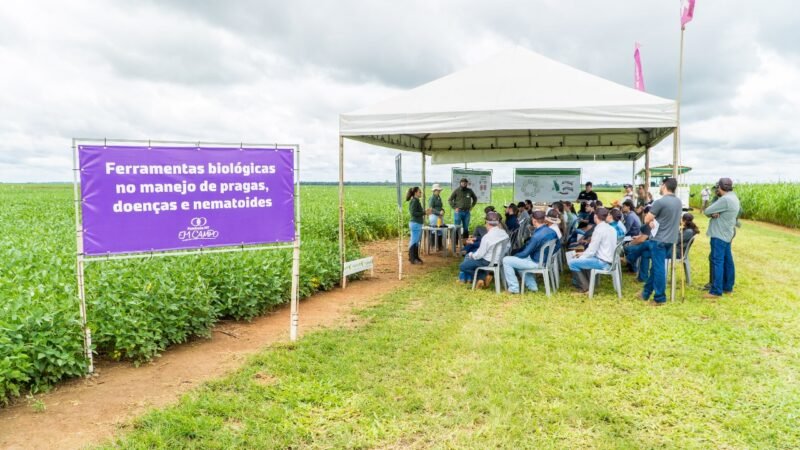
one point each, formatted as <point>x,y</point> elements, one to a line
<point>142,199</point>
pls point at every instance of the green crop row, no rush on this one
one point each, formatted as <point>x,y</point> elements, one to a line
<point>777,203</point>
<point>136,308</point>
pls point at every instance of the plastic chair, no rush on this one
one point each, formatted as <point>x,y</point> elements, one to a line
<point>684,259</point>
<point>545,271</point>
<point>495,265</point>
<point>615,271</point>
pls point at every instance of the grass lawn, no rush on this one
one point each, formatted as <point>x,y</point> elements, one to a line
<point>435,365</point>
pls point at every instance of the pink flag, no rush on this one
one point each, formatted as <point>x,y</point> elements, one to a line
<point>687,13</point>
<point>638,76</point>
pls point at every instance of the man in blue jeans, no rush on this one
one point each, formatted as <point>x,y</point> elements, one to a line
<point>462,200</point>
<point>667,212</point>
<point>598,255</point>
<point>528,257</point>
<point>723,213</point>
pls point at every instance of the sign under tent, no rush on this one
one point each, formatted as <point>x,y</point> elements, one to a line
<point>518,106</point>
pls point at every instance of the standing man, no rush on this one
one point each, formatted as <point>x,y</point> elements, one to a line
<point>587,193</point>
<point>705,194</point>
<point>462,200</point>
<point>667,212</point>
<point>599,255</point>
<point>723,213</point>
<point>528,257</point>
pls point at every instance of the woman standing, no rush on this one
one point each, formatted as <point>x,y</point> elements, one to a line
<point>415,225</point>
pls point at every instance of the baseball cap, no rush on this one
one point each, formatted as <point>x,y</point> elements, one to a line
<point>464,180</point>
<point>492,218</point>
<point>436,187</point>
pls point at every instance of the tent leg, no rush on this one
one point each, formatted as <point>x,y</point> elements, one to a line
<point>423,180</point>
<point>341,211</point>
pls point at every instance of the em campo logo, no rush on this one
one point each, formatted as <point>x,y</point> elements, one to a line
<point>198,230</point>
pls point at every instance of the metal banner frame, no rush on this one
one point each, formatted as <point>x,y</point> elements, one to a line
<point>82,259</point>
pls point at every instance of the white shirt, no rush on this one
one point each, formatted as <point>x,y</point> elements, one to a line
<point>603,244</point>
<point>705,193</point>
<point>495,236</point>
<point>556,228</point>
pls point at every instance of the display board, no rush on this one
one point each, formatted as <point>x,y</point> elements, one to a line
<point>480,181</point>
<point>546,185</point>
<point>147,199</point>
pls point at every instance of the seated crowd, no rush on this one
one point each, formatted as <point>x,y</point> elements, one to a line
<point>519,238</point>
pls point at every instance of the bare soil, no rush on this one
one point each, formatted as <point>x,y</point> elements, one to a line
<point>86,411</point>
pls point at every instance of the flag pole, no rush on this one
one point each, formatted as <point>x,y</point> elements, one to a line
<point>676,146</point>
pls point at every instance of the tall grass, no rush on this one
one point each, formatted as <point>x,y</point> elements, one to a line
<point>777,203</point>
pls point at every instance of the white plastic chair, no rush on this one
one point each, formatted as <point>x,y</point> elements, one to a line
<point>615,271</point>
<point>546,271</point>
<point>495,265</point>
<point>684,260</point>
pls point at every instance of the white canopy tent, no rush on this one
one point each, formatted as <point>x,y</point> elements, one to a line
<point>516,106</point>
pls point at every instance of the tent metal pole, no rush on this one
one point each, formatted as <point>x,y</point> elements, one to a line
<point>633,173</point>
<point>423,180</point>
<point>341,211</point>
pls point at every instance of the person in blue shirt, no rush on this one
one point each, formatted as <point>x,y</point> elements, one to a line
<point>528,257</point>
<point>614,218</point>
<point>632,221</point>
<point>511,218</point>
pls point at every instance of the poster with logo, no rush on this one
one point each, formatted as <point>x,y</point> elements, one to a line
<point>480,181</point>
<point>546,185</point>
<point>142,199</point>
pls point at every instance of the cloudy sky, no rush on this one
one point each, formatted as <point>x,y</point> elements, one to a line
<point>282,71</point>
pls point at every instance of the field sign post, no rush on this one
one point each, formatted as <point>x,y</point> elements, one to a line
<point>87,333</point>
<point>398,168</point>
<point>360,265</point>
<point>146,199</point>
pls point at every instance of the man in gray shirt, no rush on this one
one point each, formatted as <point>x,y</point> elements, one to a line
<point>667,212</point>
<point>723,213</point>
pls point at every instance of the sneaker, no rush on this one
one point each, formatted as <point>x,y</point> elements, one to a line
<point>711,296</point>
<point>655,303</point>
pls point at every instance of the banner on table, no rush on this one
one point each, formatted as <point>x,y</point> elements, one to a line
<point>480,181</point>
<point>142,199</point>
<point>546,185</point>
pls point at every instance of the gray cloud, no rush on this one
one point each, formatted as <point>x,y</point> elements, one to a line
<point>256,70</point>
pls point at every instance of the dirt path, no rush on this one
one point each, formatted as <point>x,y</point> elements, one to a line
<point>86,411</point>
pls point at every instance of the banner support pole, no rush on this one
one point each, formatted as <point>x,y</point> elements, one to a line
<point>295,296</point>
<point>80,263</point>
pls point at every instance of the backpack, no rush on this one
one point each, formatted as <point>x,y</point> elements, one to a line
<point>521,235</point>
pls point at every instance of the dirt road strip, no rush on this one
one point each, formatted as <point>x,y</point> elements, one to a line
<point>86,411</point>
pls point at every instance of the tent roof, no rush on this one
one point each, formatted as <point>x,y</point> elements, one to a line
<point>516,106</point>
<point>664,171</point>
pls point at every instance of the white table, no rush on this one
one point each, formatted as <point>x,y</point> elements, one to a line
<point>450,234</point>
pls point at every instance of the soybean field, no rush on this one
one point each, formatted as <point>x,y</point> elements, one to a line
<point>138,307</point>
